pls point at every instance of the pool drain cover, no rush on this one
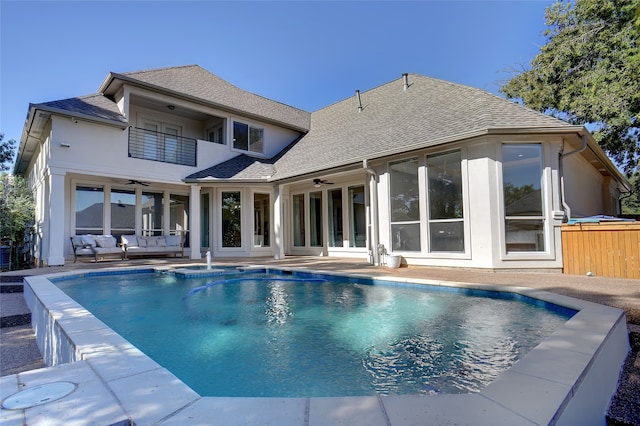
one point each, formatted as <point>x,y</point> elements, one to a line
<point>38,395</point>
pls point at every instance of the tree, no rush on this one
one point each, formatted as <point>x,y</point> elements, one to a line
<point>6,152</point>
<point>631,202</point>
<point>16,215</point>
<point>588,72</point>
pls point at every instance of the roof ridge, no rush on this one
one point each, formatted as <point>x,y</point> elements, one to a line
<point>129,73</point>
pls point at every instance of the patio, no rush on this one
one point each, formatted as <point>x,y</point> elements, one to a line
<point>612,292</point>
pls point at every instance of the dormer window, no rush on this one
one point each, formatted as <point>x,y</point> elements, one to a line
<point>248,138</point>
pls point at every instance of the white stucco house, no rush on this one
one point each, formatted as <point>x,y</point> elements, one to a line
<point>440,173</point>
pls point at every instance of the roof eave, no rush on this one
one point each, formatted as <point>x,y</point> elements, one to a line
<point>104,89</point>
<point>29,122</point>
<point>226,181</point>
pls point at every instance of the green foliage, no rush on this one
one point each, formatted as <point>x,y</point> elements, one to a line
<point>589,72</point>
<point>17,212</point>
<point>6,152</point>
<point>631,203</point>
<point>513,194</point>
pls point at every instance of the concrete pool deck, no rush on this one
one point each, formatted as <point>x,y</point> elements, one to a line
<point>117,384</point>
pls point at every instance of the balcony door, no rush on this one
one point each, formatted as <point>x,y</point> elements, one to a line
<point>161,141</point>
<point>150,140</point>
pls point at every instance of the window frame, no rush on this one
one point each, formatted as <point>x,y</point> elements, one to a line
<point>262,220</point>
<point>250,130</point>
<point>428,207</point>
<point>411,223</point>
<point>221,224</point>
<point>547,225</point>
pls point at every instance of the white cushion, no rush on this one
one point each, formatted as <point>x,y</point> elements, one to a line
<point>135,249</point>
<point>172,240</point>
<point>161,242</point>
<point>89,239</point>
<point>129,240</point>
<point>152,241</point>
<point>84,251</point>
<point>106,241</point>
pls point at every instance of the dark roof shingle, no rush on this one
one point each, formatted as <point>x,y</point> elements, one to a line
<point>96,106</point>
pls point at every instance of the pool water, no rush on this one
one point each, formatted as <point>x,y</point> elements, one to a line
<point>274,335</point>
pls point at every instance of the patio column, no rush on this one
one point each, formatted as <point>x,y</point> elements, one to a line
<point>278,226</point>
<point>54,250</point>
<point>194,222</point>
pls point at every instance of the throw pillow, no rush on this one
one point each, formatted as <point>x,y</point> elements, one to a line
<point>130,240</point>
<point>89,239</point>
<point>172,240</point>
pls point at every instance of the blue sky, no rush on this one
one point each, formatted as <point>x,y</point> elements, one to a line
<point>302,53</point>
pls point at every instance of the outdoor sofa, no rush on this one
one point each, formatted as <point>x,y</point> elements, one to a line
<point>133,245</point>
<point>95,245</point>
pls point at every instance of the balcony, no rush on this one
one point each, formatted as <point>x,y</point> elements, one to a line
<point>163,147</point>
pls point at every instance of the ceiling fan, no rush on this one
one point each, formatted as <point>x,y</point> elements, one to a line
<point>318,182</point>
<point>137,182</point>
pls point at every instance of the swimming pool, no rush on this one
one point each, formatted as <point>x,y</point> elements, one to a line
<point>263,333</point>
<point>568,378</point>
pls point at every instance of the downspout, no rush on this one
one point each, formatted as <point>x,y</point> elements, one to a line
<point>566,207</point>
<point>372,226</point>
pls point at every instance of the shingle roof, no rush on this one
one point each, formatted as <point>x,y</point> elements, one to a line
<point>96,106</point>
<point>241,167</point>
<point>430,112</point>
<point>198,83</point>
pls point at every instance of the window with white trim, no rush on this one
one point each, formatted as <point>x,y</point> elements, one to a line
<point>446,212</point>
<point>523,204</point>
<point>248,138</point>
<point>405,205</point>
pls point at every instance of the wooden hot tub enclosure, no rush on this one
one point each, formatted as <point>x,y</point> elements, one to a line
<point>610,249</point>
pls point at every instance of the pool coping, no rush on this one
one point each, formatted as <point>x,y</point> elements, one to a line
<point>568,378</point>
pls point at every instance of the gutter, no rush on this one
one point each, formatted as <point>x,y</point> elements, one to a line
<point>566,207</point>
<point>372,227</point>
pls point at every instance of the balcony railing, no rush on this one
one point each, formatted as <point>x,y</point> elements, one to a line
<point>164,147</point>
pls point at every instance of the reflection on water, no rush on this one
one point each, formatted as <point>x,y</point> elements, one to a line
<point>272,336</point>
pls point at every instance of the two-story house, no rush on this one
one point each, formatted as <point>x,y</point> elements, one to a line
<point>440,173</point>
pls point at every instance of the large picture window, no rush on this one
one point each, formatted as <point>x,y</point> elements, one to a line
<point>298,220</point>
<point>89,210</point>
<point>152,213</point>
<point>405,205</point>
<point>179,217</point>
<point>248,138</point>
<point>357,217</point>
<point>261,220</point>
<point>334,198</point>
<point>522,191</point>
<point>231,220</point>
<point>123,212</point>
<point>444,181</point>
<point>315,219</point>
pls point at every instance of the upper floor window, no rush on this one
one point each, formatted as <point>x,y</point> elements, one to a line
<point>522,191</point>
<point>248,138</point>
<point>216,135</point>
<point>215,130</point>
